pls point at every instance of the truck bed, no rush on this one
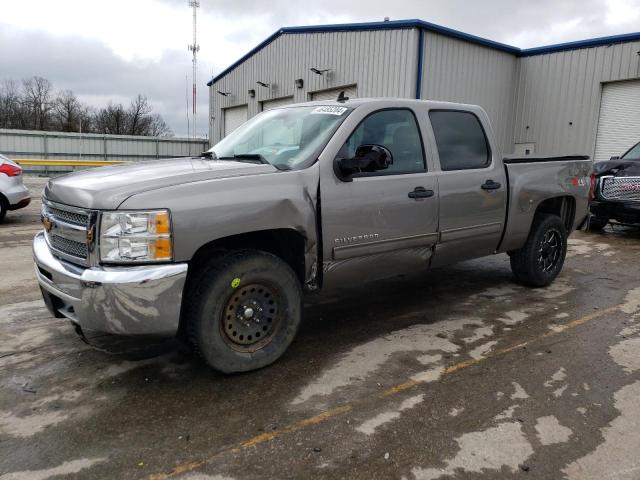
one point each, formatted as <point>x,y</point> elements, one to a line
<point>532,179</point>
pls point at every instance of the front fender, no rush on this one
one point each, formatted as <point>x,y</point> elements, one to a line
<point>204,211</point>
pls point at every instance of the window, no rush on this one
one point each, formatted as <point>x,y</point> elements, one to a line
<point>287,138</point>
<point>460,138</point>
<point>398,132</point>
<point>633,153</point>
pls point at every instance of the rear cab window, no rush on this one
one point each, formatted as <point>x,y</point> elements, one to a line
<point>460,140</point>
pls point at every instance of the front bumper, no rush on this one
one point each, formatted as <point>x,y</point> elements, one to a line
<point>136,300</point>
<point>624,212</point>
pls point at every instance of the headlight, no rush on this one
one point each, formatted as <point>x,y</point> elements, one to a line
<point>136,237</point>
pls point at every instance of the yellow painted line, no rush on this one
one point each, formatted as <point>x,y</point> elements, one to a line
<point>334,412</point>
<point>67,163</point>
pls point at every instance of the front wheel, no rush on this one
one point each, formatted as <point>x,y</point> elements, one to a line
<point>244,311</point>
<point>539,262</point>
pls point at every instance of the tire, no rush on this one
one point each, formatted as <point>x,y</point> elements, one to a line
<point>4,206</point>
<point>538,263</point>
<point>244,311</point>
<point>596,224</point>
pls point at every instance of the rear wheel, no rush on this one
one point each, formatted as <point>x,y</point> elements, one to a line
<point>539,262</point>
<point>245,311</point>
<point>596,224</point>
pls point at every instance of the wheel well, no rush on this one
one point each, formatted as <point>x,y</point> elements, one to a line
<point>563,207</point>
<point>287,244</point>
<point>4,201</point>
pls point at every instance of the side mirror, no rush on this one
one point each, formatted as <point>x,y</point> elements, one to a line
<point>368,159</point>
<point>615,158</point>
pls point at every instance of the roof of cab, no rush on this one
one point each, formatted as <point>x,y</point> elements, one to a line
<point>356,102</point>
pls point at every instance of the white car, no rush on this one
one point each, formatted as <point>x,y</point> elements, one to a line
<point>13,193</point>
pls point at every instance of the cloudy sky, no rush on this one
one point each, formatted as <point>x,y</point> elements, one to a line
<point>114,49</point>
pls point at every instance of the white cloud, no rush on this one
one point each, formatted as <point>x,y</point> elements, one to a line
<point>622,12</point>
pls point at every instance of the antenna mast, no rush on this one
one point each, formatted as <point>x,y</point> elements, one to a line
<point>194,49</point>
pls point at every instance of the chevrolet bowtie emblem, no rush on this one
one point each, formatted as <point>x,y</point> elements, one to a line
<point>47,223</point>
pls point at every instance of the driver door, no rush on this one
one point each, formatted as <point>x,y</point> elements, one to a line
<point>383,223</point>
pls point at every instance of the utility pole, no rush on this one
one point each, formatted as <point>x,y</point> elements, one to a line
<point>186,99</point>
<point>194,48</point>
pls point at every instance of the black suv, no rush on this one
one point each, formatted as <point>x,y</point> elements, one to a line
<point>617,195</point>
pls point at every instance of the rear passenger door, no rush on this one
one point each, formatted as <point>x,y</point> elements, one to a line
<point>384,223</point>
<point>472,184</point>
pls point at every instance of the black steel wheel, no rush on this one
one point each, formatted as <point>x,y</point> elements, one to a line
<point>251,317</point>
<point>540,260</point>
<point>243,311</point>
<point>550,250</point>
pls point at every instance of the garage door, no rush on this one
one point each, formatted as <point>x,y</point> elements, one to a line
<point>234,117</point>
<point>619,124</point>
<point>350,91</point>
<point>276,102</point>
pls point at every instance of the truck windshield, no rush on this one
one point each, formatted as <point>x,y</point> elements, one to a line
<point>633,154</point>
<point>287,138</point>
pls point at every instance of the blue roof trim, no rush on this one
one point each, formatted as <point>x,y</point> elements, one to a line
<point>432,27</point>
<point>592,42</point>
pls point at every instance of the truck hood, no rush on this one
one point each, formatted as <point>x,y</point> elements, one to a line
<point>107,187</point>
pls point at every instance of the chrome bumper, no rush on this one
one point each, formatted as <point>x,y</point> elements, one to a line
<point>136,300</point>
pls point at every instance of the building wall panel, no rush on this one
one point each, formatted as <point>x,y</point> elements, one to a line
<point>380,63</point>
<point>558,95</point>
<point>458,71</point>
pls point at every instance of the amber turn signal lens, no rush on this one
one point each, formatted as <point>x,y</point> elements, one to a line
<point>162,249</point>
<point>162,222</point>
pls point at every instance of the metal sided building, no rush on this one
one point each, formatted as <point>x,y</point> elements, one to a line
<point>578,97</point>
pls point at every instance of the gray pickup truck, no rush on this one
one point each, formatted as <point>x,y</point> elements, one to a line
<point>219,249</point>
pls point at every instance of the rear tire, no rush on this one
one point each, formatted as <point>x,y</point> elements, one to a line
<point>596,224</point>
<point>4,206</point>
<point>244,311</point>
<point>539,262</point>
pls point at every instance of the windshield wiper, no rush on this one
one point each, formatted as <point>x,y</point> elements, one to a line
<point>251,157</point>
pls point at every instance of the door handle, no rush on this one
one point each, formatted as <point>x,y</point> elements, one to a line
<point>421,192</point>
<point>490,185</point>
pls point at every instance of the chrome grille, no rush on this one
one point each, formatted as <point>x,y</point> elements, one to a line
<point>70,247</point>
<point>66,230</point>
<point>74,218</point>
<point>621,188</point>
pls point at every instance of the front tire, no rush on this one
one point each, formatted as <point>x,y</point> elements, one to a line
<point>245,311</point>
<point>596,224</point>
<point>539,262</point>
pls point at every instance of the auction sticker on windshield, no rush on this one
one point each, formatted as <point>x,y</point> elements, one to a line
<point>330,110</point>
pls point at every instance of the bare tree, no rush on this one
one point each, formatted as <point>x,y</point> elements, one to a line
<point>67,112</point>
<point>10,105</point>
<point>34,105</point>
<point>112,119</point>
<point>138,116</point>
<point>158,127</point>
<point>37,101</point>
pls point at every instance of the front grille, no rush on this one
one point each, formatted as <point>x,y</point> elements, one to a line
<point>66,230</point>
<point>71,217</point>
<point>621,188</point>
<point>70,247</point>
